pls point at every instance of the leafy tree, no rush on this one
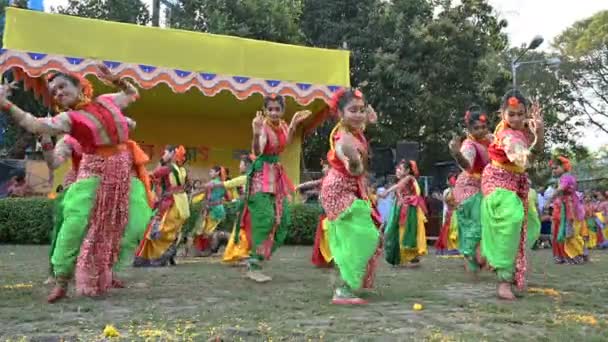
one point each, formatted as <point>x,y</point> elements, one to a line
<point>431,67</point>
<point>584,50</point>
<point>125,11</point>
<point>271,20</point>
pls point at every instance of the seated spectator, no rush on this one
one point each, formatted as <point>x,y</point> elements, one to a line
<point>18,186</point>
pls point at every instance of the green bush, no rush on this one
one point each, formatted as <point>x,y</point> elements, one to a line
<point>30,221</point>
<point>26,220</point>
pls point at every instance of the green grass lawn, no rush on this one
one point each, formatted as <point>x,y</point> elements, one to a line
<point>201,299</point>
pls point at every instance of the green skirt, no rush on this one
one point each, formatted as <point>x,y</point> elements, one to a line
<point>261,208</point>
<point>469,225</point>
<point>353,239</point>
<point>502,217</point>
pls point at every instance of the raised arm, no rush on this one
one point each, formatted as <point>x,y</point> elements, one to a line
<point>259,137</point>
<point>56,125</point>
<point>296,121</point>
<point>464,154</point>
<point>537,128</point>
<point>233,183</point>
<point>128,92</point>
<point>397,186</point>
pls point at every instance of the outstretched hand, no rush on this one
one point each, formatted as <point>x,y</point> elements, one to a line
<point>536,121</point>
<point>372,117</point>
<point>105,74</point>
<point>300,116</point>
<point>258,122</point>
<point>455,145</point>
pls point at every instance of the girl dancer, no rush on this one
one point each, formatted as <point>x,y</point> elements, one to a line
<point>321,255</point>
<point>447,244</point>
<point>472,156</point>
<point>568,215</point>
<point>266,213</point>
<point>405,237</point>
<point>213,213</point>
<point>105,209</point>
<point>595,226</point>
<point>353,234</point>
<point>505,189</point>
<point>159,246</point>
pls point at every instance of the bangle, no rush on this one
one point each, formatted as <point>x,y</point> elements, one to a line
<point>6,106</point>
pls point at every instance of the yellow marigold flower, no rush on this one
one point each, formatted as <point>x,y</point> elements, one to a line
<point>547,292</point>
<point>417,307</point>
<point>110,331</point>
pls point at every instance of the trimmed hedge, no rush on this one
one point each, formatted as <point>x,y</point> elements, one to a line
<point>26,220</point>
<point>30,221</point>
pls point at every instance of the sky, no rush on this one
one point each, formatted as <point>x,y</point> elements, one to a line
<point>526,19</point>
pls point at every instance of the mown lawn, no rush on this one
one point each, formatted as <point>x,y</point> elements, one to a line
<point>201,299</point>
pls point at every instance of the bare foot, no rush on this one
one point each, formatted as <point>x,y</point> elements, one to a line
<point>57,293</point>
<point>504,291</point>
<point>49,280</point>
<point>118,284</point>
<point>481,261</point>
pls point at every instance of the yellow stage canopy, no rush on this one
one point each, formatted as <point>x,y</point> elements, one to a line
<point>39,42</point>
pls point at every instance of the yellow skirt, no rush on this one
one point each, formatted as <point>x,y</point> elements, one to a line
<point>170,228</point>
<point>453,235</point>
<point>236,252</point>
<point>574,246</point>
<point>409,254</point>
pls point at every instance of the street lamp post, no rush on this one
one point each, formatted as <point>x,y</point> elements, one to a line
<point>536,42</point>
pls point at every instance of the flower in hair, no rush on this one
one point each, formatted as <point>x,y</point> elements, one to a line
<point>483,118</point>
<point>335,99</point>
<point>358,94</point>
<point>513,101</point>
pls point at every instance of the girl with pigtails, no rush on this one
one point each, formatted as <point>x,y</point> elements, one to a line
<point>353,225</point>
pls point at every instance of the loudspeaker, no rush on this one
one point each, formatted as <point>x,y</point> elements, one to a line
<point>382,161</point>
<point>407,150</point>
